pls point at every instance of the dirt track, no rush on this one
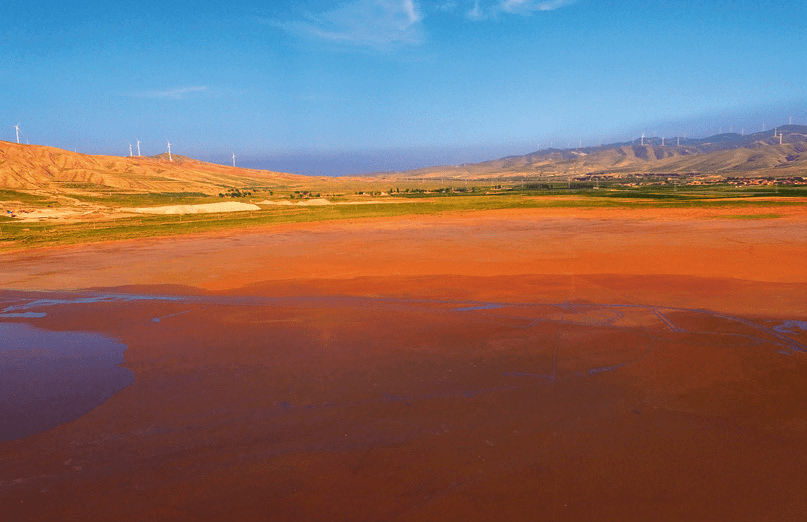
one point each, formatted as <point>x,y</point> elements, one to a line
<point>518,365</point>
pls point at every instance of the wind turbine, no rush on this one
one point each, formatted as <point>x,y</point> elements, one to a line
<point>138,146</point>
<point>643,138</point>
<point>17,127</point>
<point>169,149</point>
<point>233,159</point>
<point>130,150</point>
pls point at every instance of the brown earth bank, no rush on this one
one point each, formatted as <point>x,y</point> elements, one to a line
<point>516,365</point>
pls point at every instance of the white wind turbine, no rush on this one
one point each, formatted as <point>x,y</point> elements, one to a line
<point>138,146</point>
<point>130,150</point>
<point>17,128</point>
<point>233,159</point>
<point>169,150</point>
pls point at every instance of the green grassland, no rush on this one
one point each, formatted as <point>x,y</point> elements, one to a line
<point>401,201</point>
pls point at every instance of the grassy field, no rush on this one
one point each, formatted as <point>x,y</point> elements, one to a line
<point>16,235</point>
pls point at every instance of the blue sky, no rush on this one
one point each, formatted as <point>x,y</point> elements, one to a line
<point>330,87</point>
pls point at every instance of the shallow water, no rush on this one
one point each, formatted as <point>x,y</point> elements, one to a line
<point>48,378</point>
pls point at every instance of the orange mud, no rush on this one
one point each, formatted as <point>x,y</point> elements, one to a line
<point>511,365</point>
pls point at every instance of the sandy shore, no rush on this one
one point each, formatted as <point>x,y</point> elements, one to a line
<point>514,365</point>
<point>206,208</point>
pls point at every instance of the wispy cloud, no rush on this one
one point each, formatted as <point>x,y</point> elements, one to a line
<point>525,6</point>
<point>176,93</point>
<point>379,24</point>
<point>475,13</point>
<point>482,10</point>
<point>447,6</point>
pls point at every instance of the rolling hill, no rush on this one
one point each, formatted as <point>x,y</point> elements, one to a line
<point>730,155</point>
<point>766,154</point>
<point>35,167</point>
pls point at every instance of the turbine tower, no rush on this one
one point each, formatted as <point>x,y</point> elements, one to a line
<point>169,150</point>
<point>233,159</point>
<point>17,128</point>
<point>643,138</point>
<point>130,150</point>
<point>138,146</point>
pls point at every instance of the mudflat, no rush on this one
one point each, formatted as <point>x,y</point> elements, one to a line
<point>546,364</point>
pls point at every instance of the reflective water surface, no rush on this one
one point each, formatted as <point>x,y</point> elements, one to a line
<point>48,378</point>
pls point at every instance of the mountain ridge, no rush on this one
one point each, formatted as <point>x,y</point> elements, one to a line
<point>728,154</point>
<point>41,167</point>
<point>780,152</point>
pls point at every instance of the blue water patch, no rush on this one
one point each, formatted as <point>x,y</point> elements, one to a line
<point>523,374</point>
<point>157,319</point>
<point>790,326</point>
<point>49,378</point>
<point>595,371</point>
<point>96,298</point>
<point>478,307</point>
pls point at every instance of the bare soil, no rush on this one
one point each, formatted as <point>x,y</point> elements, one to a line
<point>559,364</point>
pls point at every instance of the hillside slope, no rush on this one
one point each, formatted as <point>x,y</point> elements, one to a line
<point>759,154</point>
<point>49,168</point>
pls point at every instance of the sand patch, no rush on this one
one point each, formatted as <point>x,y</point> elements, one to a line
<point>207,208</point>
<point>305,203</point>
<point>282,203</point>
<point>321,202</point>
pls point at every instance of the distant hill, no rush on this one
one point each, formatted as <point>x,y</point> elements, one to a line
<point>731,154</point>
<point>41,167</point>
<point>763,154</point>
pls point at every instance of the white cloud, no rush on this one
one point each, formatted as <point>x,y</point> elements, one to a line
<point>177,93</point>
<point>524,6</point>
<point>480,11</point>
<point>475,13</point>
<point>380,24</point>
<point>387,24</point>
<point>446,7</point>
